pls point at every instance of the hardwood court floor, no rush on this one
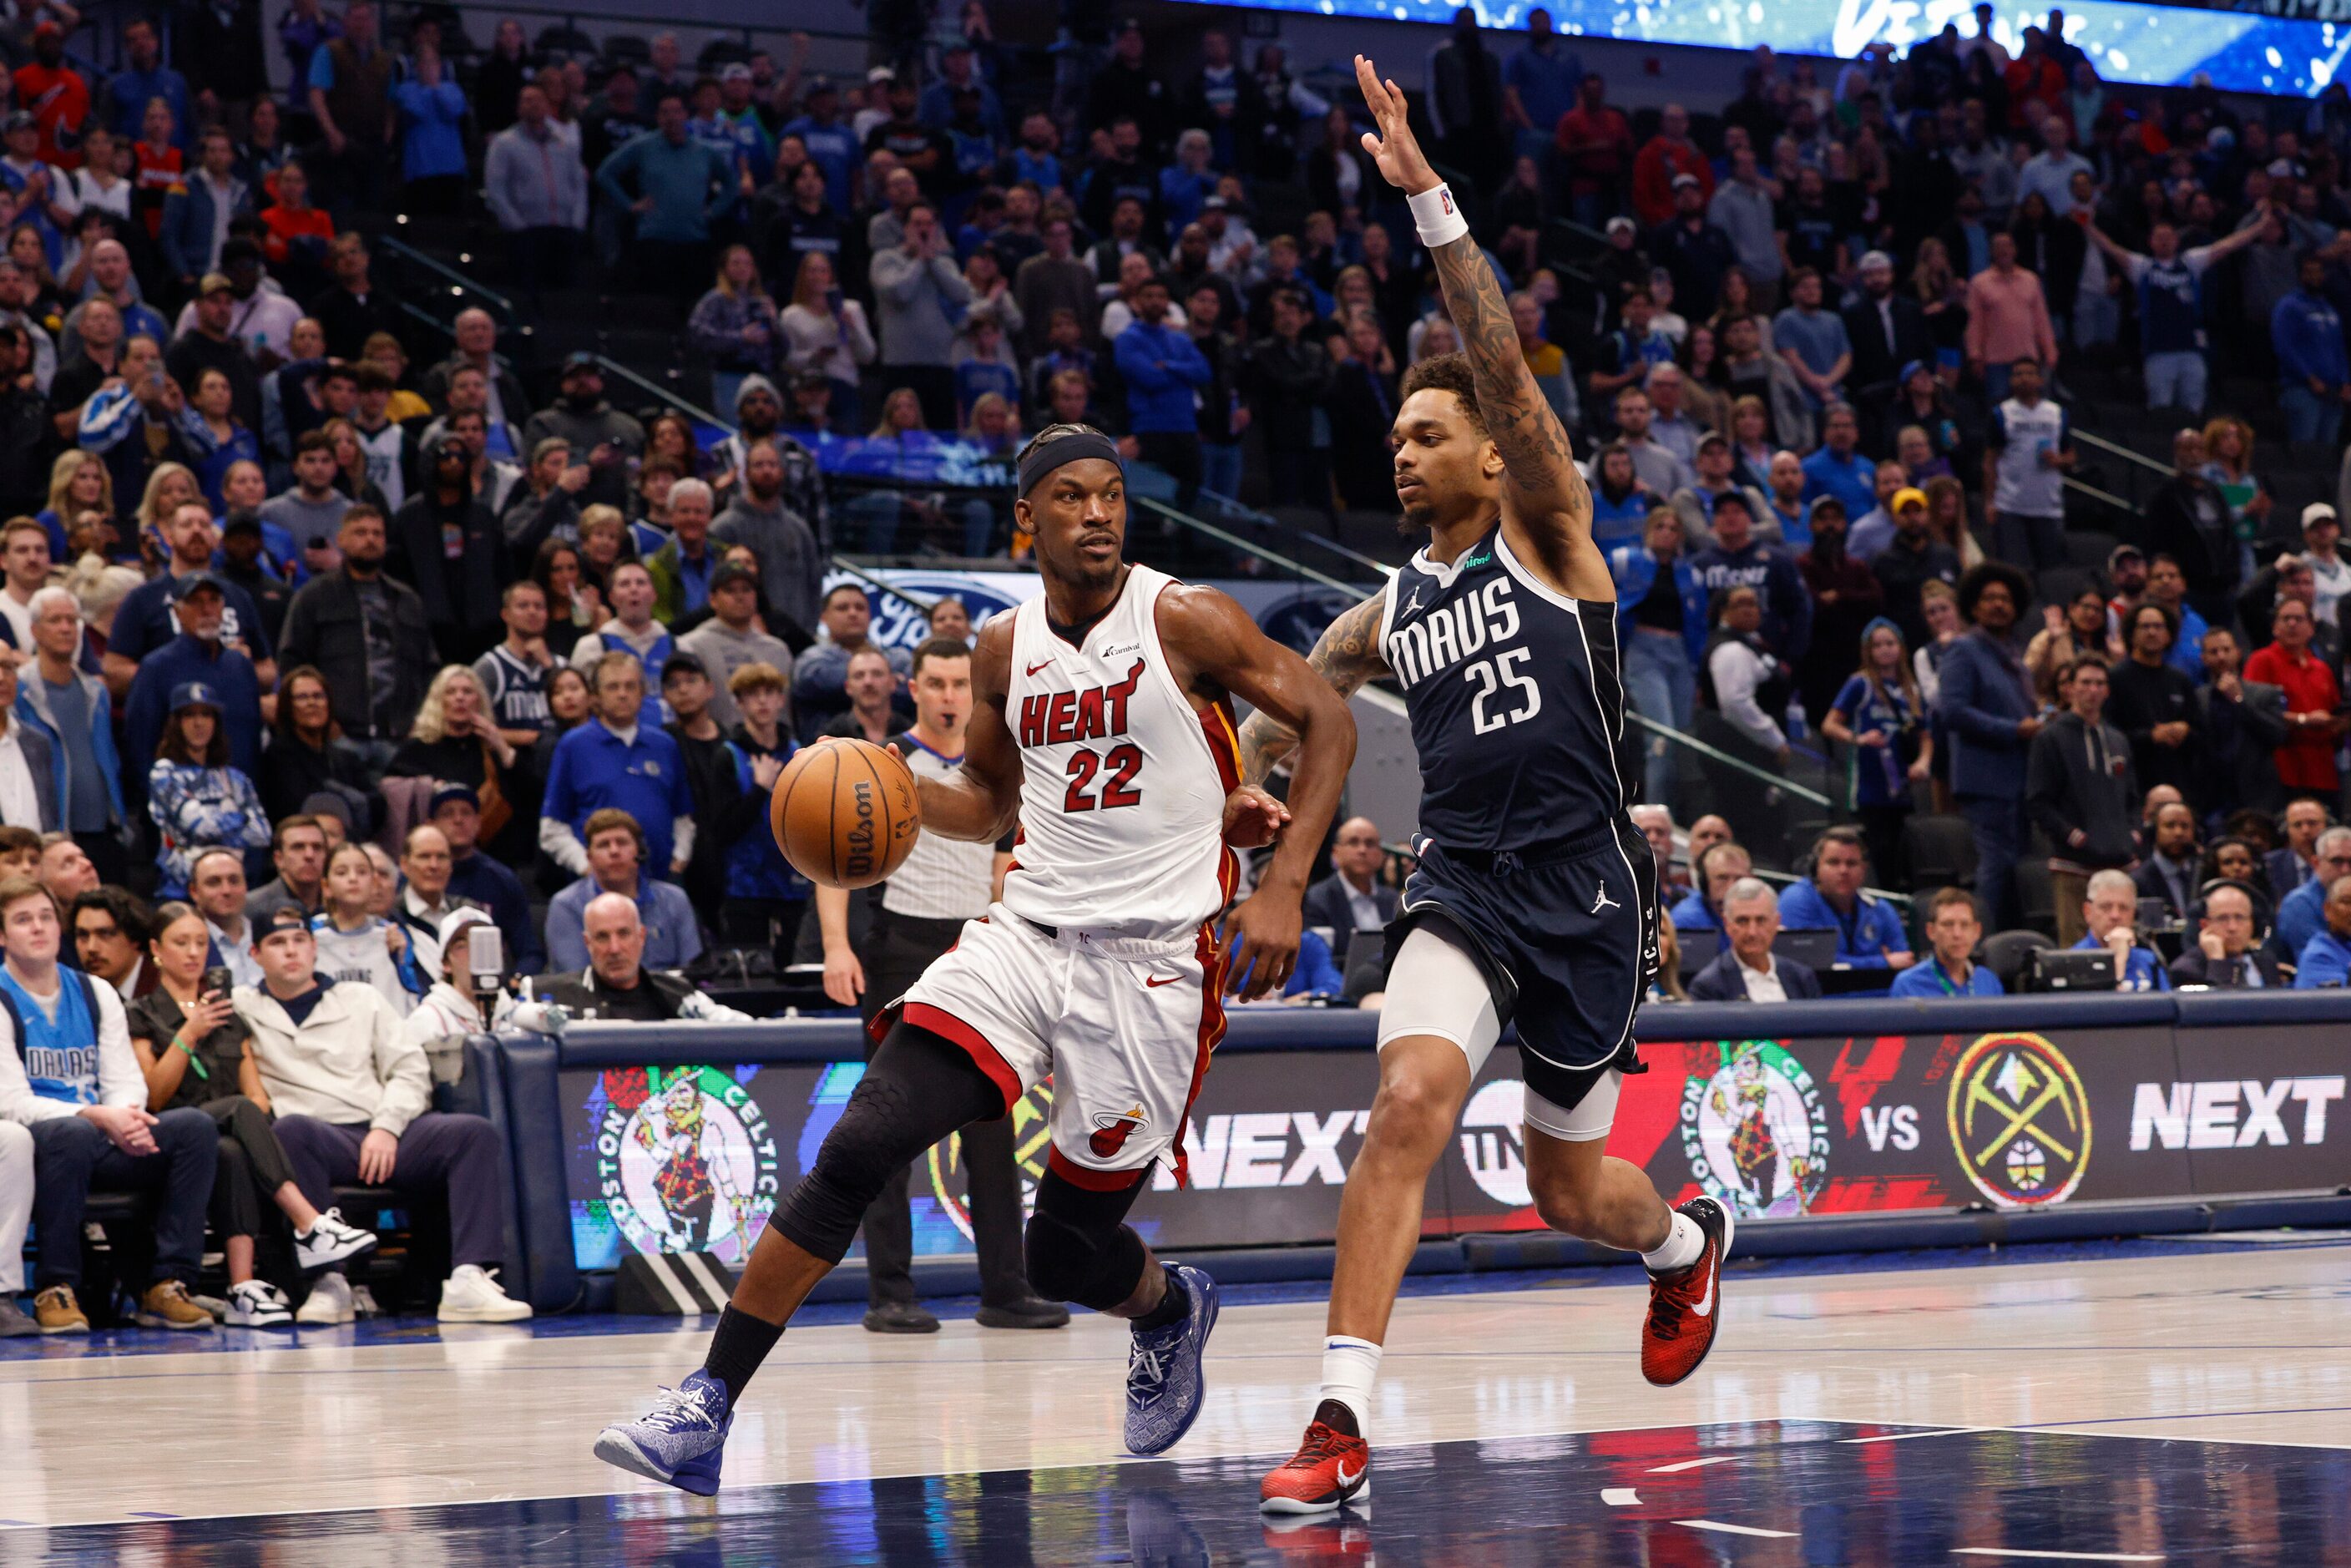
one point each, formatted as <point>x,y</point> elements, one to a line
<point>2239,1354</point>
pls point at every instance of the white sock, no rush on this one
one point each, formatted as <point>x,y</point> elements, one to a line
<point>1350,1367</point>
<point>1679,1250</point>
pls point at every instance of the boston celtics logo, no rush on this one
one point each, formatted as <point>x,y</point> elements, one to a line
<point>1032,1140</point>
<point>2020,1120</point>
<point>686,1161</point>
<point>1755,1133</point>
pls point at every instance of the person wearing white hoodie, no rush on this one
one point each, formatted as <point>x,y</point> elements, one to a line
<point>351,1095</point>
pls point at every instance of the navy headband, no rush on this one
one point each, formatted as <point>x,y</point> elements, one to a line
<point>1044,457</point>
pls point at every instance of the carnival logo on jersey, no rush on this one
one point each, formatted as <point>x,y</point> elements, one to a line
<point>1493,1141</point>
<point>1032,1139</point>
<point>686,1161</point>
<point>1756,1133</point>
<point>2020,1120</point>
<point>1112,1131</point>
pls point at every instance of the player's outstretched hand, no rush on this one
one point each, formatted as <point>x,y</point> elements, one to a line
<point>1253,819</point>
<point>1266,930</point>
<point>1395,149</point>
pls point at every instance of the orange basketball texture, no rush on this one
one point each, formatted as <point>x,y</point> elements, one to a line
<point>845,813</point>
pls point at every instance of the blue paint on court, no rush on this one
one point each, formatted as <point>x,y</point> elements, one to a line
<point>1777,1491</point>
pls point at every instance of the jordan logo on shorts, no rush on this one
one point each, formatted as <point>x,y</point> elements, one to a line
<point>1600,900</point>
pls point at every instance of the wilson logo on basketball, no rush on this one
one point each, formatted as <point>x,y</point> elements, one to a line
<point>862,837</point>
<point>1111,1133</point>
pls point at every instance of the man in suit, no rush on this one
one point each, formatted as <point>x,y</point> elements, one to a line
<point>2169,872</point>
<point>1351,898</point>
<point>2224,957</point>
<point>30,778</point>
<point>1887,330</point>
<point>1748,970</point>
<point>2301,915</point>
<point>1987,707</point>
<point>2296,861</point>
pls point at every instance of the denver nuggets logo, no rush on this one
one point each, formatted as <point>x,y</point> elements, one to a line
<point>2020,1121</point>
<point>1111,1131</point>
<point>1032,1140</point>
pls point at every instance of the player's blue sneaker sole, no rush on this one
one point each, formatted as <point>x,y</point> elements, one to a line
<point>681,1443</point>
<point>1164,1382</point>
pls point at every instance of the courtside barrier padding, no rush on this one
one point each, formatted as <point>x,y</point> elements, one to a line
<point>1892,1049</point>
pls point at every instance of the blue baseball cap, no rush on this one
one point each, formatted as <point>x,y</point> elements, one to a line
<point>195,694</point>
<point>190,582</point>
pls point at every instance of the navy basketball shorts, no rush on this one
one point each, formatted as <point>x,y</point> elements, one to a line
<point>1560,940</point>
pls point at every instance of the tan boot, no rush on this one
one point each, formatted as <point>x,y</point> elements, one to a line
<point>166,1305</point>
<point>57,1312</point>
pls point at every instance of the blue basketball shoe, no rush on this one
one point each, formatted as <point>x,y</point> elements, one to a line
<point>682,1441</point>
<point>1163,1383</point>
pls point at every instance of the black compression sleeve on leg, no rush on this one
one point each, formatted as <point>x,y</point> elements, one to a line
<point>919,1088</point>
<point>738,1347</point>
<point>1079,1247</point>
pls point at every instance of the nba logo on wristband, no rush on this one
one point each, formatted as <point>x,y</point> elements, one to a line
<point>1436,218</point>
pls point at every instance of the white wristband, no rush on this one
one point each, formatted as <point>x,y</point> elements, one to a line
<point>1439,220</point>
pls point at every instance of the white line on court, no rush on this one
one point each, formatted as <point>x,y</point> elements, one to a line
<point>2056,1556</point>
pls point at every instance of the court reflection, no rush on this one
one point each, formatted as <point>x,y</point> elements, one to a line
<point>1767,1492</point>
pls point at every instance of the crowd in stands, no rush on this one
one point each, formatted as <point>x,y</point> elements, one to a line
<point>327,639</point>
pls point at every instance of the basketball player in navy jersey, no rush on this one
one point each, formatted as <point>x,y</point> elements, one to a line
<point>1535,900</point>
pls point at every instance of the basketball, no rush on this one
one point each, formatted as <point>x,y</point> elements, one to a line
<point>844,812</point>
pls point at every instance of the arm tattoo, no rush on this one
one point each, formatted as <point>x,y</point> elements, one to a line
<point>1536,452</point>
<point>1347,656</point>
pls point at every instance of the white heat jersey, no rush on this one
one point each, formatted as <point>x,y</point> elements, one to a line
<point>1123,798</point>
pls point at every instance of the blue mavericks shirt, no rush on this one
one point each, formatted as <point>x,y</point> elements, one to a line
<point>1514,698</point>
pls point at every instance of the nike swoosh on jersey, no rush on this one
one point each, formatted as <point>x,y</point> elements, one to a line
<point>1152,982</point>
<point>1039,666</point>
<point>1346,1481</point>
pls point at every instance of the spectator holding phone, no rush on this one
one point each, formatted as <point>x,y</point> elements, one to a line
<point>191,1050</point>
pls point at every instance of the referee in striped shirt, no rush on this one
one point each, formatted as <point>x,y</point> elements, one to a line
<point>919,912</point>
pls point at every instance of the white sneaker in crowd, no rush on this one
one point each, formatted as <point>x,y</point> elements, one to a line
<point>363,1303</point>
<point>331,1241</point>
<point>329,1302</point>
<point>258,1304</point>
<point>470,1296</point>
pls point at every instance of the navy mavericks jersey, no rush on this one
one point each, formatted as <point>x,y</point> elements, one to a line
<point>1516,704</point>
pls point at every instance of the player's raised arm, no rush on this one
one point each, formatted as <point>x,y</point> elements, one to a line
<point>1346,656</point>
<point>1540,460</point>
<point>1221,649</point>
<point>981,801</point>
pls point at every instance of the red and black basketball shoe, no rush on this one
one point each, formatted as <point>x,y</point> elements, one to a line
<point>1332,1467</point>
<point>1686,1306</point>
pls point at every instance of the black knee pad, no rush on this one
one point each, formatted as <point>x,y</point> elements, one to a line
<point>919,1089</point>
<point>1077,1247</point>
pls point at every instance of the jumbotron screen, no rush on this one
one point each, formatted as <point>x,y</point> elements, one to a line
<point>2160,46</point>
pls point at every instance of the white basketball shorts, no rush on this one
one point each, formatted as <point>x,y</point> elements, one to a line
<point>1435,988</point>
<point>1123,1027</point>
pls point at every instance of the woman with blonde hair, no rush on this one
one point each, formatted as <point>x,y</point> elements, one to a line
<point>351,467</point>
<point>78,482</point>
<point>826,333</point>
<point>171,487</point>
<point>1942,293</point>
<point>2229,463</point>
<point>1947,519</point>
<point>735,325</point>
<point>456,739</point>
<point>604,543</point>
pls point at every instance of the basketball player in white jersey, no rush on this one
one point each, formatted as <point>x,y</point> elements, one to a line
<point>1102,726</point>
<point>1534,901</point>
